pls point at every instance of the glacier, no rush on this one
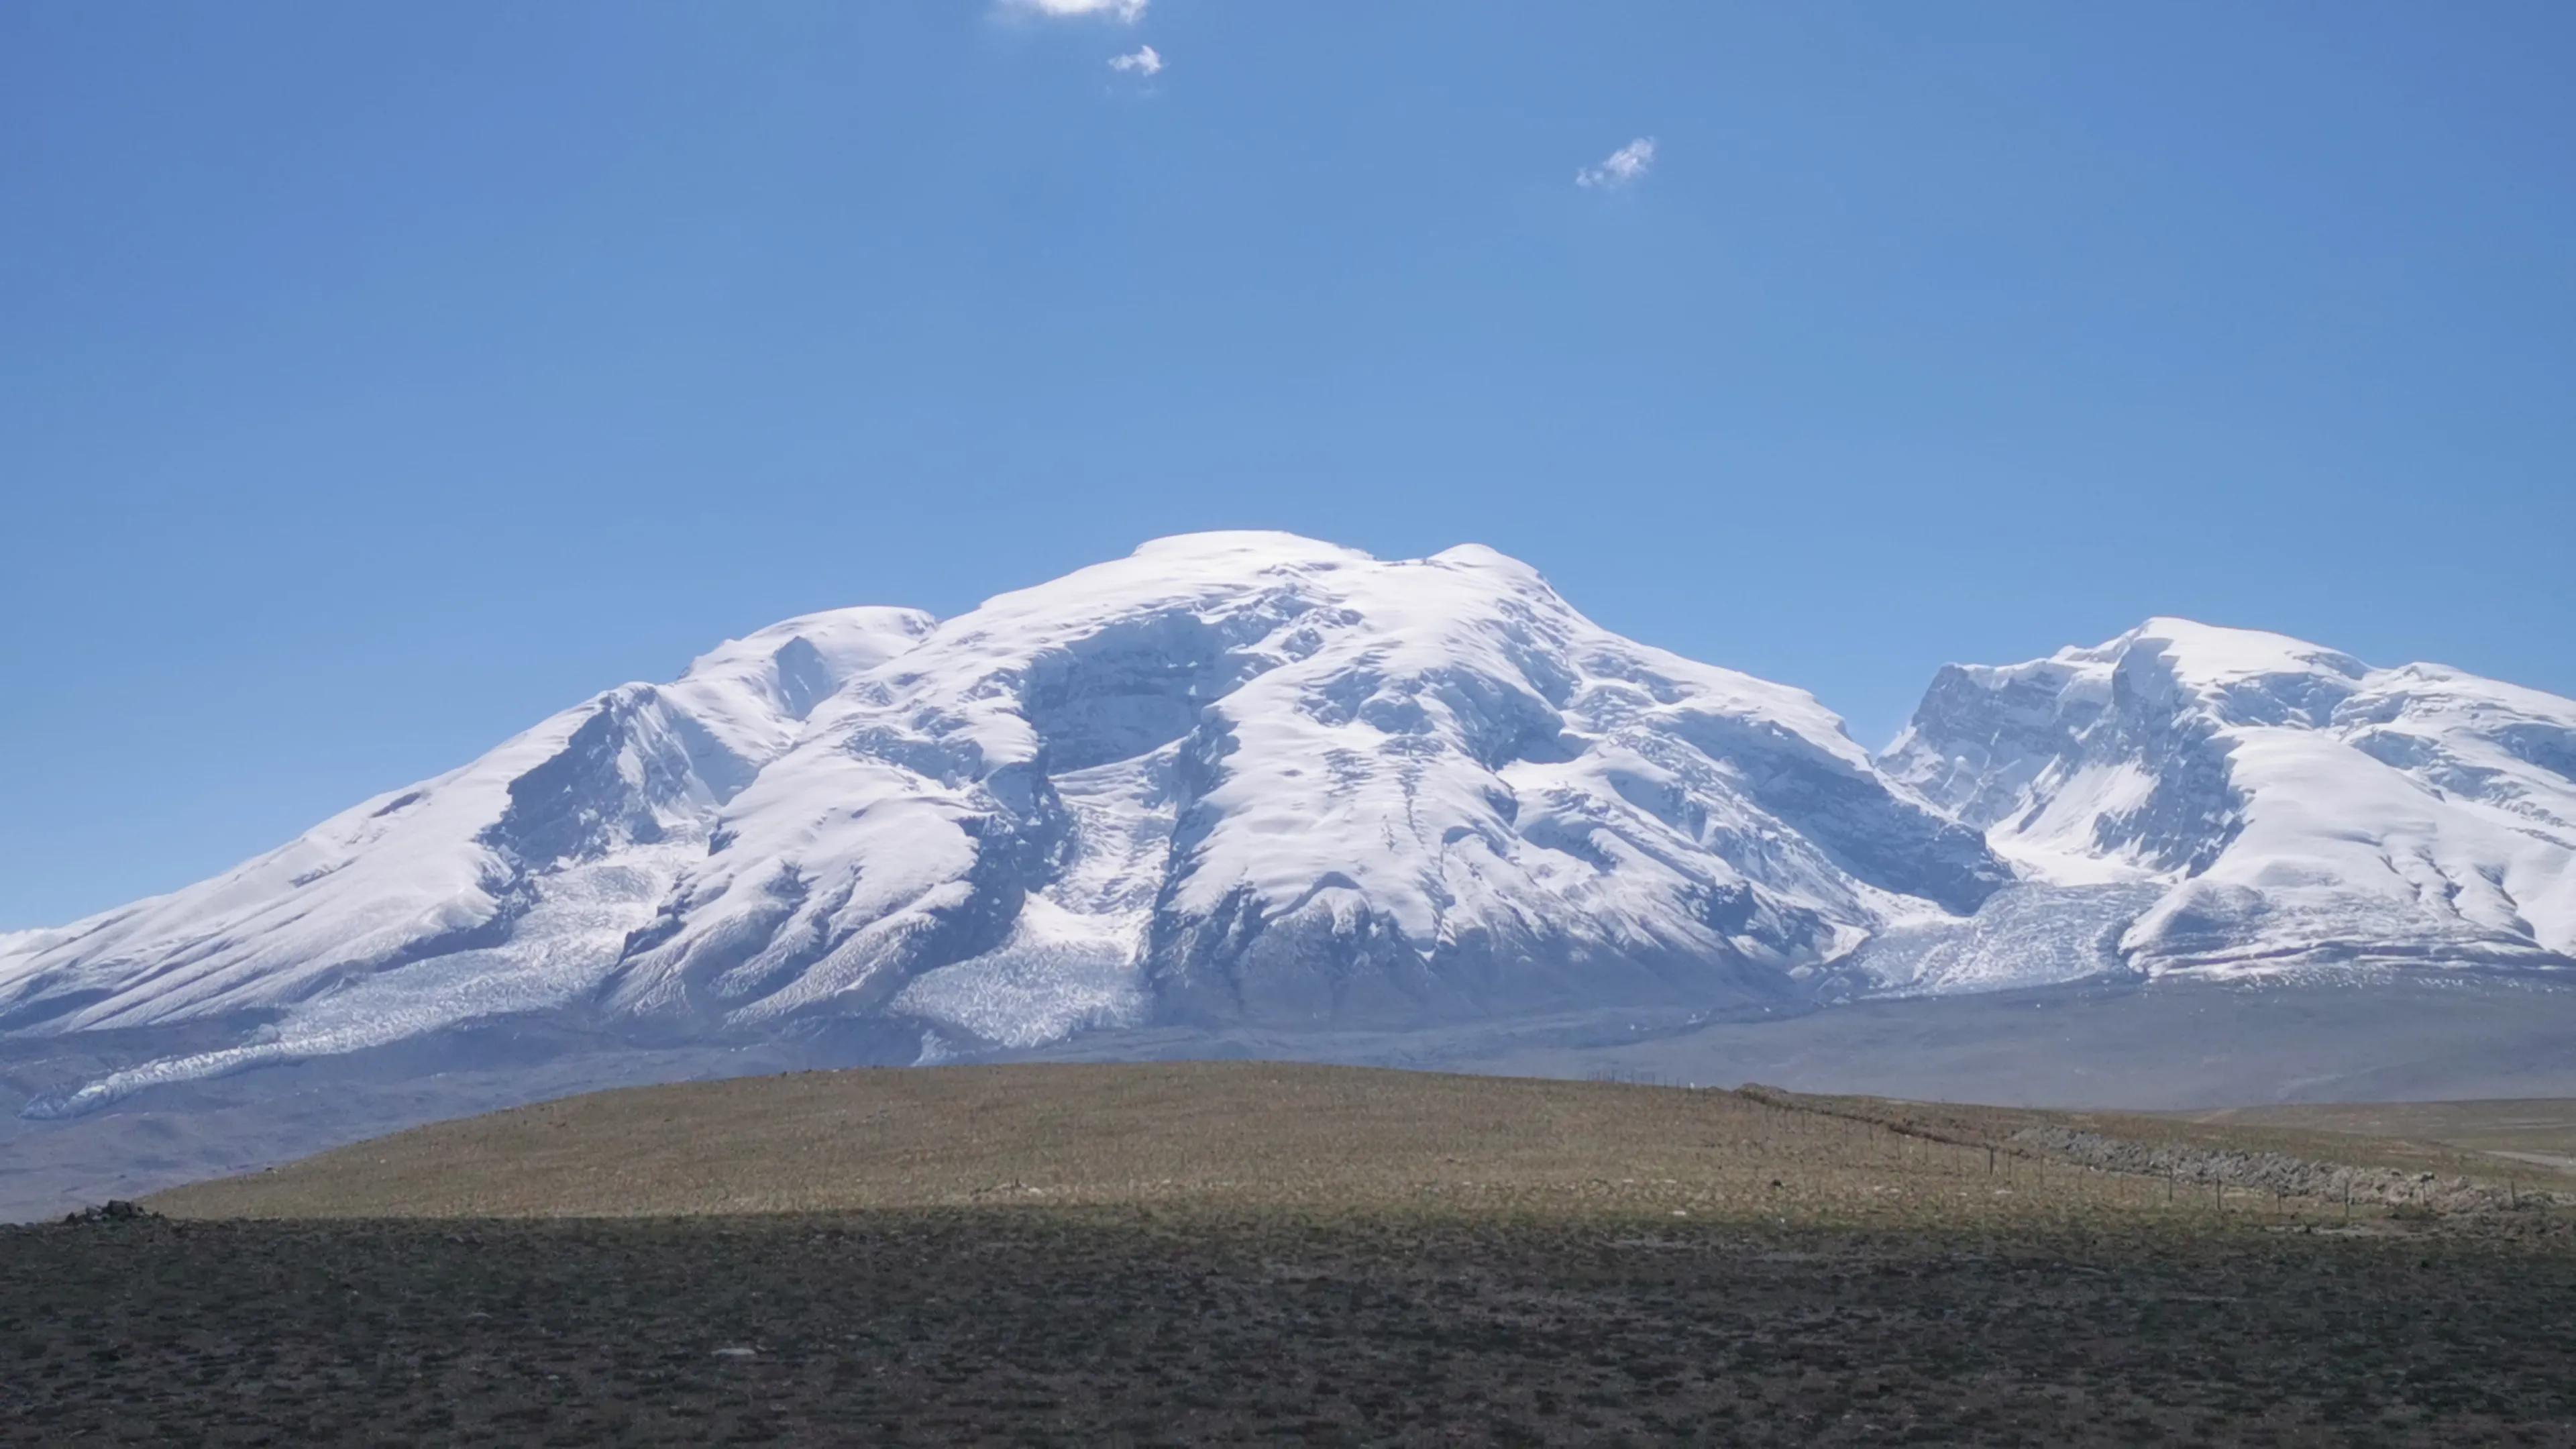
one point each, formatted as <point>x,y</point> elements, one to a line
<point>2280,807</point>
<point>1239,778</point>
<point>1254,787</point>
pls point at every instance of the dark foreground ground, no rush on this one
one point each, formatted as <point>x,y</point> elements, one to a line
<point>1048,1325</point>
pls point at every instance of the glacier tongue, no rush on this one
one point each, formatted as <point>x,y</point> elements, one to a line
<point>2294,808</point>
<point>2035,934</point>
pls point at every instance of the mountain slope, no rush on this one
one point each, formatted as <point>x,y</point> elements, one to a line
<point>509,884</point>
<point>2283,804</point>
<point>1252,777</point>
<point>1231,778</point>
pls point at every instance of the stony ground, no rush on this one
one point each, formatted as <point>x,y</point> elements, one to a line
<point>1048,1325</point>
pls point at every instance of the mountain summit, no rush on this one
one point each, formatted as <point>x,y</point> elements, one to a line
<point>1232,778</point>
<point>2282,805</point>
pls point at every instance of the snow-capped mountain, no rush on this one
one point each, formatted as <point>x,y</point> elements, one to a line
<point>1231,778</point>
<point>2264,803</point>
<point>554,836</point>
<point>1251,780</point>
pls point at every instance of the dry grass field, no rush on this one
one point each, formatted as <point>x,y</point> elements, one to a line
<point>1253,1253</point>
<point>1336,1139</point>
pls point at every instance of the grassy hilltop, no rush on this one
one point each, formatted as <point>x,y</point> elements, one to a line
<point>1334,1139</point>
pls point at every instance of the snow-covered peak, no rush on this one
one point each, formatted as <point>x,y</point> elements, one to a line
<point>1229,759</point>
<point>2298,804</point>
<point>2208,655</point>
<point>1238,776</point>
<point>1237,548</point>
<point>2177,666</point>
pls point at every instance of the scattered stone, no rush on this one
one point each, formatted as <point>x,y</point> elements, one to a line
<point>114,1210</point>
<point>2194,1165</point>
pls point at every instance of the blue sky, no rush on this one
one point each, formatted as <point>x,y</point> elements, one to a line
<point>377,379</point>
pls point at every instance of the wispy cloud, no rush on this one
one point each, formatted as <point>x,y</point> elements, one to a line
<point>1621,167</point>
<point>1125,11</point>
<point>1146,61</point>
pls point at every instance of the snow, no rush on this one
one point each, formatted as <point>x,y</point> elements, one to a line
<point>565,942</point>
<point>507,885</point>
<point>1251,737</point>
<point>2206,656</point>
<point>2028,935</point>
<point>755,692</point>
<point>2298,808</point>
<point>1241,775</point>
<point>1254,779</point>
<point>2055,840</point>
<point>1060,972</point>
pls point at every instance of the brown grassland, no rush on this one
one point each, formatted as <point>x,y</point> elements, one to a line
<point>1249,1252</point>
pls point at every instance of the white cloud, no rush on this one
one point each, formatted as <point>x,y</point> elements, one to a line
<point>1125,11</point>
<point>1620,167</point>
<point>1146,61</point>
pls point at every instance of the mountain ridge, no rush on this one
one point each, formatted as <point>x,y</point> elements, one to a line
<point>2298,806</point>
<point>1253,779</point>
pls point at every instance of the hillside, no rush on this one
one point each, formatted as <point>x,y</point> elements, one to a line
<point>1272,1135</point>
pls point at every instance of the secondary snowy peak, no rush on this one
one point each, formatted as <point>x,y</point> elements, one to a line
<point>1255,776</point>
<point>2296,805</point>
